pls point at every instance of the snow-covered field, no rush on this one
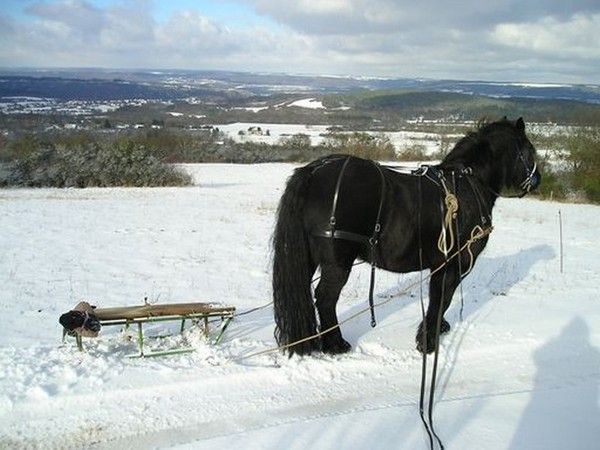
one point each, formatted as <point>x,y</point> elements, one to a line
<point>521,371</point>
<point>271,133</point>
<point>309,103</point>
<point>37,105</point>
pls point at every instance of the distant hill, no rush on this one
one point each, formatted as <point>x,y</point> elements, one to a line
<point>411,103</point>
<point>101,84</point>
<point>103,90</point>
<point>194,98</point>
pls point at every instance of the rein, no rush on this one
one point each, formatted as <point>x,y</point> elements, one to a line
<point>450,232</point>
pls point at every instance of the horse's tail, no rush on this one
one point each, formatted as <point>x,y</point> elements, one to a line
<point>293,268</point>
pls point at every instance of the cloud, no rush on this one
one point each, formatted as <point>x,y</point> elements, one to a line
<point>576,37</point>
<point>511,40</point>
<point>80,18</point>
<point>77,33</point>
<point>347,17</point>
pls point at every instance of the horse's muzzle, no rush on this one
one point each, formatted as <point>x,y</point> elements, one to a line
<point>533,180</point>
<point>536,180</point>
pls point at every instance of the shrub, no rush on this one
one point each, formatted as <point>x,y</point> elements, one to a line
<point>296,147</point>
<point>554,185</point>
<point>91,165</point>
<point>413,152</point>
<point>363,145</point>
<point>576,173</point>
<point>583,157</point>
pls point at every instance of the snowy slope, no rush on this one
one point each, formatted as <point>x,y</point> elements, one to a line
<point>521,371</point>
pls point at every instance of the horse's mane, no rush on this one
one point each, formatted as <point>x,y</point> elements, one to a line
<point>473,147</point>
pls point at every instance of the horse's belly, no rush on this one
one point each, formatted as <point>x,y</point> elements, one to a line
<point>395,261</point>
<point>402,265</point>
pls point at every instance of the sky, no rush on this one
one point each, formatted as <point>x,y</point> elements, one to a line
<point>503,40</point>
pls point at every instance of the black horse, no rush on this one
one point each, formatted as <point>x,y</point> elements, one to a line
<point>340,208</point>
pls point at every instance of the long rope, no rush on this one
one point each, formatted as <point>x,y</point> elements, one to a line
<point>432,383</point>
<point>251,310</point>
<point>444,247</point>
<point>258,308</point>
<point>475,236</point>
<point>424,329</point>
<point>460,273</point>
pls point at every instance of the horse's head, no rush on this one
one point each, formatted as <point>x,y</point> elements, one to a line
<point>517,155</point>
<point>501,154</point>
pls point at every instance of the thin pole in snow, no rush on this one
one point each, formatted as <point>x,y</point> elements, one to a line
<point>560,232</point>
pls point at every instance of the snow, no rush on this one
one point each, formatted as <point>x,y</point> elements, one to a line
<point>276,131</point>
<point>317,133</point>
<point>540,85</point>
<point>521,371</point>
<point>254,109</point>
<point>310,103</point>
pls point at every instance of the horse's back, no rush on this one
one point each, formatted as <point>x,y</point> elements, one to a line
<point>357,200</point>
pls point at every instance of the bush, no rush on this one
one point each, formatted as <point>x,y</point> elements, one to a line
<point>554,185</point>
<point>583,156</point>
<point>591,187</point>
<point>414,152</point>
<point>91,165</point>
<point>363,145</point>
<point>296,147</point>
<point>576,174</point>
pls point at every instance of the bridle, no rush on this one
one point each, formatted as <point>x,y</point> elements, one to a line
<point>527,184</point>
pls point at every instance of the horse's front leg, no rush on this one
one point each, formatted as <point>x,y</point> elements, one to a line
<point>441,289</point>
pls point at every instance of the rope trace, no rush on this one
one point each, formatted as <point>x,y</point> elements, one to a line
<point>476,234</point>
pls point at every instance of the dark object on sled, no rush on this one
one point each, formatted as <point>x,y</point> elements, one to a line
<point>128,315</point>
<point>81,321</point>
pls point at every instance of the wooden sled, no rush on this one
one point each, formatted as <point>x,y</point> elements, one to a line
<point>195,312</point>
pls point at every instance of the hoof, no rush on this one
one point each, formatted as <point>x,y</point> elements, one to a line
<point>429,346</point>
<point>430,341</point>
<point>337,347</point>
<point>445,327</point>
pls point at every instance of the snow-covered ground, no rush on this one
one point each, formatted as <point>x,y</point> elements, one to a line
<point>521,371</point>
<point>37,105</point>
<point>271,133</point>
<point>310,103</point>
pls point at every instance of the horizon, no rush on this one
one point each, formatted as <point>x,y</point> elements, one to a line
<point>156,71</point>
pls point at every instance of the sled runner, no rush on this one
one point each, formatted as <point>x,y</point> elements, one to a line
<point>90,316</point>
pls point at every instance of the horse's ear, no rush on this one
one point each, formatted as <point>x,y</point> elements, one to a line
<point>520,124</point>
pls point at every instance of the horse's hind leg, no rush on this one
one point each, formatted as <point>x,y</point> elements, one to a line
<point>333,279</point>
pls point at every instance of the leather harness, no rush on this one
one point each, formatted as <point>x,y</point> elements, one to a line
<point>371,241</point>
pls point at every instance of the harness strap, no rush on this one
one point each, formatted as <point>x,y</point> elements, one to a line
<point>479,198</point>
<point>336,195</point>
<point>372,241</point>
<point>377,228</point>
<point>341,234</point>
